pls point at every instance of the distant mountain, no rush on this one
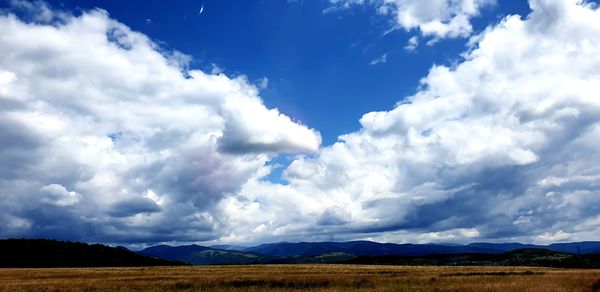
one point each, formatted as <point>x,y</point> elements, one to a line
<point>202,255</point>
<point>332,252</point>
<point>225,257</point>
<point>504,247</point>
<point>229,247</point>
<point>31,253</point>
<point>361,248</point>
<point>369,248</point>
<point>584,247</point>
<point>173,252</point>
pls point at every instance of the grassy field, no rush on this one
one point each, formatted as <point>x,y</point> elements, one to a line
<point>302,277</point>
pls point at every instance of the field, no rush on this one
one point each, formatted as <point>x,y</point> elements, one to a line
<point>302,277</point>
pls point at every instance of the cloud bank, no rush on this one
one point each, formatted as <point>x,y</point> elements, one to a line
<point>106,137</point>
<point>502,146</point>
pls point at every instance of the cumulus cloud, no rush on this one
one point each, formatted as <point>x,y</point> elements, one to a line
<point>502,146</point>
<point>105,136</point>
<point>59,195</point>
<point>434,18</point>
<point>133,207</point>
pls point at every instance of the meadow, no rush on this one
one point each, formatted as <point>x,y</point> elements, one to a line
<point>301,278</point>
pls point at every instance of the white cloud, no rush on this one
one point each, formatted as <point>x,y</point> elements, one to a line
<point>263,83</point>
<point>59,195</point>
<point>502,146</point>
<point>549,237</point>
<point>434,18</point>
<point>380,60</point>
<point>412,44</point>
<point>106,136</point>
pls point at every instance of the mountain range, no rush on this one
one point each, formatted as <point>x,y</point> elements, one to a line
<point>335,252</point>
<point>53,253</point>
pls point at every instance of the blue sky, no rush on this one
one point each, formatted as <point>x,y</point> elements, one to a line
<point>263,121</point>
<point>317,63</point>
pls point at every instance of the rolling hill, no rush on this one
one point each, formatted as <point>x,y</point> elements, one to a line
<point>521,257</point>
<point>202,255</point>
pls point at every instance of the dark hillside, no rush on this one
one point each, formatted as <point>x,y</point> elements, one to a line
<point>521,257</point>
<point>202,255</point>
<point>33,253</point>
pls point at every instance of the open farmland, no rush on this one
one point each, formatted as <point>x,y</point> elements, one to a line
<point>303,277</point>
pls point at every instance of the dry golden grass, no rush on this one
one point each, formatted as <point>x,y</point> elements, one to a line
<point>302,277</point>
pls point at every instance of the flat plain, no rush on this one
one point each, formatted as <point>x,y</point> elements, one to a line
<point>301,278</point>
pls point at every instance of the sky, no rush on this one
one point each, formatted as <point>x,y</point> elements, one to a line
<point>247,122</point>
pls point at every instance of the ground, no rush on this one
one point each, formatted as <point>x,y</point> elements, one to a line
<point>303,277</point>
